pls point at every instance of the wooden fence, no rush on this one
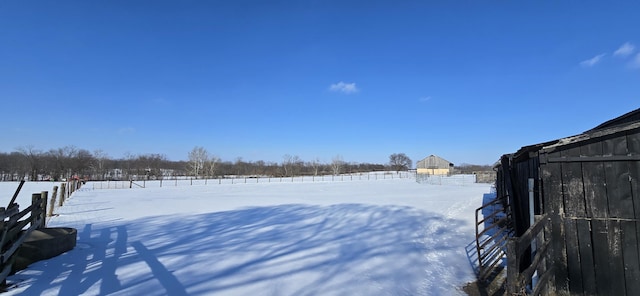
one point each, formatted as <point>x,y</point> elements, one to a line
<point>519,277</point>
<point>14,230</point>
<point>16,225</point>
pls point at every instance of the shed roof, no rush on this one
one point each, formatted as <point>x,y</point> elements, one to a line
<point>632,116</point>
<point>434,161</point>
<point>624,123</point>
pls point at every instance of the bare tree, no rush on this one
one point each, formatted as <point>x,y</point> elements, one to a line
<point>99,166</point>
<point>212,165</point>
<point>241,167</point>
<point>12,167</point>
<point>260,167</point>
<point>150,165</point>
<point>399,161</point>
<point>128,162</point>
<point>33,157</point>
<point>286,163</point>
<point>315,165</point>
<point>64,159</point>
<point>336,164</point>
<point>197,158</point>
<point>81,163</point>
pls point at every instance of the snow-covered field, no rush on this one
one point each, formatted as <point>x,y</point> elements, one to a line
<point>362,237</point>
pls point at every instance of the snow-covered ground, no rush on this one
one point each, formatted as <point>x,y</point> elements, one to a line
<point>361,237</point>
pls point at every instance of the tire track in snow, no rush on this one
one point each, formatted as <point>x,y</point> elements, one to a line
<point>443,243</point>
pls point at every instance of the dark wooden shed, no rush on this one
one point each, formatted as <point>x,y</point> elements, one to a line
<point>586,186</point>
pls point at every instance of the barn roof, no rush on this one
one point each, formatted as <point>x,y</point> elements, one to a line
<point>434,161</point>
<point>626,122</point>
<point>632,116</point>
<point>594,134</point>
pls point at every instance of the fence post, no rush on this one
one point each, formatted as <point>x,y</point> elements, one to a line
<point>3,282</point>
<point>63,193</point>
<point>35,204</point>
<point>44,196</point>
<point>53,200</point>
<point>513,267</point>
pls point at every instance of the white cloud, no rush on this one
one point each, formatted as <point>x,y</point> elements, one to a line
<point>635,62</point>
<point>624,50</point>
<point>592,61</point>
<point>347,88</point>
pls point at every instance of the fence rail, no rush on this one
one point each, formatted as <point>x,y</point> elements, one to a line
<point>13,231</point>
<point>188,181</point>
<point>459,180</point>
<point>16,225</point>
<point>518,280</point>
<point>493,229</point>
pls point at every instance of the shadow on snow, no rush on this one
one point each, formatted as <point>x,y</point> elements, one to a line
<point>342,249</point>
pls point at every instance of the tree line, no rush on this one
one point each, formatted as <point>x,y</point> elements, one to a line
<point>29,163</point>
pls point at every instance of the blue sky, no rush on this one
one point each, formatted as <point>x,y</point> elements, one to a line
<point>465,80</point>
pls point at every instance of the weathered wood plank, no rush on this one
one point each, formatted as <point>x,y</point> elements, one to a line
<point>595,190</point>
<point>15,195</point>
<point>542,288</point>
<point>6,269</point>
<point>4,214</point>
<point>630,257</point>
<point>634,173</point>
<point>572,185</point>
<point>574,268</point>
<point>616,260</point>
<point>617,179</point>
<point>620,203</point>
<point>549,265</point>
<point>524,241</point>
<point>633,142</point>
<point>527,274</point>
<point>633,147</point>
<point>600,242</point>
<point>582,159</point>
<point>513,267</point>
<point>586,257</point>
<point>550,175</point>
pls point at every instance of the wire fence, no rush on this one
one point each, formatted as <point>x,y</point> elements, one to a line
<point>459,180</point>
<point>190,181</point>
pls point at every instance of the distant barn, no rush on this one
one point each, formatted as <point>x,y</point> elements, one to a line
<point>434,165</point>
<point>587,187</point>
